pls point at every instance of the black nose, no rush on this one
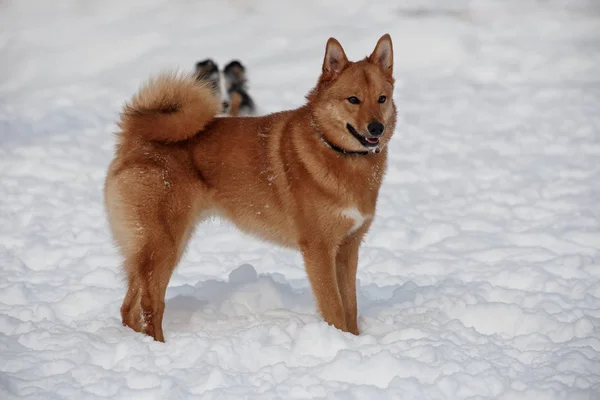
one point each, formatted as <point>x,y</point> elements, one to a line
<point>376,128</point>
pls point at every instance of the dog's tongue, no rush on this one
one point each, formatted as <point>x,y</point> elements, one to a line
<point>372,140</point>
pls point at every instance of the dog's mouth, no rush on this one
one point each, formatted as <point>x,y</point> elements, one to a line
<point>365,141</point>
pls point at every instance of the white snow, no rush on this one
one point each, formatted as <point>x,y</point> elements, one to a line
<point>480,277</point>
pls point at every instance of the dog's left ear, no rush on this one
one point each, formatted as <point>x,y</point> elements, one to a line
<point>383,55</point>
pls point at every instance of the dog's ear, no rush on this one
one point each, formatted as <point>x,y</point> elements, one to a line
<point>335,59</point>
<point>383,55</point>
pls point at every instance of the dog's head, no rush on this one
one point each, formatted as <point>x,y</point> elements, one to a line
<point>235,75</point>
<point>352,103</point>
<point>208,70</point>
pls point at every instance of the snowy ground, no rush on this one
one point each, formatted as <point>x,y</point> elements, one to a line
<point>480,278</point>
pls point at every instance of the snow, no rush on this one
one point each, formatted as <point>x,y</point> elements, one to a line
<point>479,279</point>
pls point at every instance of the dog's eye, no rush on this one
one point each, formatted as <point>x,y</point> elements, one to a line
<point>382,99</point>
<point>353,100</point>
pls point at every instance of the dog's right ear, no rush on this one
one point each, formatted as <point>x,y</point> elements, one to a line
<point>335,59</point>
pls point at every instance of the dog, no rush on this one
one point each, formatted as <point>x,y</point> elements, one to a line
<point>240,103</point>
<point>306,179</point>
<point>208,71</point>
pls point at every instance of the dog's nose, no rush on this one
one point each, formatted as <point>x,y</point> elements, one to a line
<point>375,128</point>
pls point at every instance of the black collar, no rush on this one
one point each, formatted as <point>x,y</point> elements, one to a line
<point>347,152</point>
<point>338,148</point>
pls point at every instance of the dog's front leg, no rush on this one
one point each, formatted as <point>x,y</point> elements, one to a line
<point>346,264</point>
<point>319,261</point>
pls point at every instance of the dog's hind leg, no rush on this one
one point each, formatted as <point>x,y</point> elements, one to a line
<point>130,309</point>
<point>152,222</point>
<point>149,272</point>
<point>154,267</point>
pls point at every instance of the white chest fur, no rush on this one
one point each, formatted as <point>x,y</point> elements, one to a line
<point>358,219</point>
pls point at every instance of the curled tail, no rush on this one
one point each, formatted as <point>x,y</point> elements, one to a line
<point>170,107</point>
